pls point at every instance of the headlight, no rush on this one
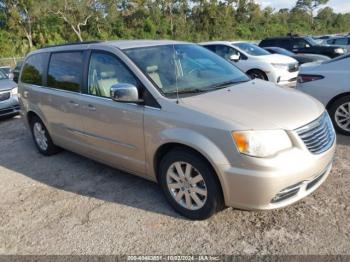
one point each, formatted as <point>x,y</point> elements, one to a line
<point>261,143</point>
<point>280,66</point>
<point>14,91</point>
<point>339,51</point>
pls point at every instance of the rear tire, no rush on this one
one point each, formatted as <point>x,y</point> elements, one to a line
<point>42,138</point>
<point>339,112</point>
<point>194,192</point>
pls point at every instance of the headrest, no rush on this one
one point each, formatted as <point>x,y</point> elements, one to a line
<point>152,69</point>
<point>107,74</point>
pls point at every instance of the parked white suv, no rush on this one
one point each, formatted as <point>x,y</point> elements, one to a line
<point>257,62</point>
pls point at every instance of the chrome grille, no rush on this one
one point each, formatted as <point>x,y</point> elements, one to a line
<point>4,96</point>
<point>319,135</point>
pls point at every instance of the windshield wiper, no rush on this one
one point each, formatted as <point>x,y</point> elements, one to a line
<point>188,91</point>
<point>227,83</point>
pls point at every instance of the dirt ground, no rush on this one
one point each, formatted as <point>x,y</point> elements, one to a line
<point>68,204</point>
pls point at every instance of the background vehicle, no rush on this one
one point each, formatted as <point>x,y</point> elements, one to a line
<point>329,83</point>
<point>301,58</point>
<point>7,70</point>
<point>303,44</point>
<point>257,62</point>
<point>340,41</point>
<point>8,96</point>
<point>178,114</point>
<point>17,70</point>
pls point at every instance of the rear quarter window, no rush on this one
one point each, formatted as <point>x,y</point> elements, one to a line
<point>33,69</point>
<point>65,71</point>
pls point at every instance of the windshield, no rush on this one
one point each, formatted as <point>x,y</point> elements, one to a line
<point>252,49</point>
<point>282,51</point>
<point>186,68</point>
<point>311,41</point>
<point>2,75</point>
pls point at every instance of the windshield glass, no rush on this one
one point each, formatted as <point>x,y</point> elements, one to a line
<point>311,41</point>
<point>283,51</point>
<point>2,75</point>
<point>252,49</point>
<point>187,68</point>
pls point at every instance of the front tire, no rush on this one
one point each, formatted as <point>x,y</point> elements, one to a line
<point>190,185</point>
<point>257,74</point>
<point>340,115</point>
<point>42,137</point>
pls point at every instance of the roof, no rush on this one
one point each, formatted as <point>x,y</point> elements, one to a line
<point>121,44</point>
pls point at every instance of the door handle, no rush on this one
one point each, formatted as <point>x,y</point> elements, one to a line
<point>91,107</point>
<point>73,103</point>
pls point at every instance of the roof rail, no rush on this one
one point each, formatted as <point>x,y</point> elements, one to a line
<point>74,43</point>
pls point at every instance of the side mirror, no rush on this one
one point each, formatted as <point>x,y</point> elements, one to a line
<point>125,93</point>
<point>307,46</point>
<point>235,57</point>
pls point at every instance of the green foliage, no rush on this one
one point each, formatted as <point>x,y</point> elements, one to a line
<point>30,24</point>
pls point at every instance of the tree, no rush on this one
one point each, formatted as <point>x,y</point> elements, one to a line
<point>76,13</point>
<point>21,17</point>
<point>310,6</point>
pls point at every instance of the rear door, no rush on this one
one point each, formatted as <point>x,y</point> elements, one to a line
<point>113,130</point>
<point>61,98</point>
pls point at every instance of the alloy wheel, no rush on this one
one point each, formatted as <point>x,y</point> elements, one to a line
<point>342,116</point>
<point>186,185</point>
<point>40,136</point>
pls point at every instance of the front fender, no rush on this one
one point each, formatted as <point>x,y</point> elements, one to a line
<point>189,138</point>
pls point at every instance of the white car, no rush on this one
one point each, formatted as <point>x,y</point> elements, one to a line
<point>257,62</point>
<point>329,83</point>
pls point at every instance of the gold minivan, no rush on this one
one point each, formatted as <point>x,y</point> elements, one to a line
<point>177,114</point>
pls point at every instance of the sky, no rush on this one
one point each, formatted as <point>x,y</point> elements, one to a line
<point>339,6</point>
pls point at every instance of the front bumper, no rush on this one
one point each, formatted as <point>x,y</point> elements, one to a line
<point>9,106</point>
<point>276,182</point>
<point>283,77</point>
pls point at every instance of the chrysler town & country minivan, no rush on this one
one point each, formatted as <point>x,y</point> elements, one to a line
<point>178,114</point>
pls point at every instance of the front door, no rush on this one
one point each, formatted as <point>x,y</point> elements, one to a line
<point>113,130</point>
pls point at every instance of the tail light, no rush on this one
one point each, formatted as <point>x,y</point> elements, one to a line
<point>308,78</point>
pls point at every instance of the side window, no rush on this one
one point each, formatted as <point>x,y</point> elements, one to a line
<point>105,71</point>
<point>33,69</point>
<point>225,51</point>
<point>284,43</point>
<point>300,43</point>
<point>341,41</point>
<point>65,71</point>
<point>210,47</point>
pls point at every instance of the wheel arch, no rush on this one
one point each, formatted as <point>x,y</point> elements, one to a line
<point>169,146</point>
<point>331,102</point>
<point>259,70</point>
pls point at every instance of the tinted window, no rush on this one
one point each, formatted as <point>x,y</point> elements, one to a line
<point>65,71</point>
<point>2,75</point>
<point>225,51</point>
<point>33,69</point>
<point>268,43</point>
<point>105,71</point>
<point>341,41</point>
<point>300,43</point>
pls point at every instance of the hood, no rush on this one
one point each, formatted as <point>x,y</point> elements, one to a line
<point>312,57</point>
<point>7,84</point>
<point>258,105</point>
<point>310,66</point>
<point>277,59</point>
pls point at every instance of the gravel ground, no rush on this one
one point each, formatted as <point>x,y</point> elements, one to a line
<point>68,204</point>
